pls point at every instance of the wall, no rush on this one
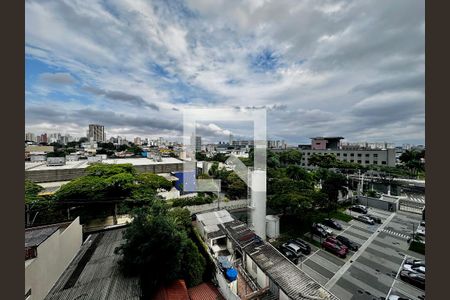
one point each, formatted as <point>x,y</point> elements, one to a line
<point>53,257</point>
<point>213,206</point>
<point>377,203</point>
<point>65,174</point>
<point>283,296</point>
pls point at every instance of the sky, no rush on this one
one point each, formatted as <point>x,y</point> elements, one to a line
<point>320,68</point>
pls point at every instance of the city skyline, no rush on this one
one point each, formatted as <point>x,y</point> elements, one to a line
<point>354,69</point>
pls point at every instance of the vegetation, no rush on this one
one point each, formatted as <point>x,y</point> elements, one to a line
<point>198,200</point>
<point>412,160</point>
<point>157,263</point>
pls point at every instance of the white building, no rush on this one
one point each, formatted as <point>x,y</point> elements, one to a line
<point>48,252</point>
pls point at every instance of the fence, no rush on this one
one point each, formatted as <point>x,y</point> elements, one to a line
<point>384,203</point>
<point>213,206</point>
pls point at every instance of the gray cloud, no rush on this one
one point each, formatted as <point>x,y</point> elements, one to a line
<point>121,96</point>
<point>57,78</point>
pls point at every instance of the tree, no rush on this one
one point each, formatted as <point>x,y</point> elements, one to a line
<point>332,185</point>
<point>290,157</point>
<point>152,249</point>
<point>411,159</point>
<point>236,187</point>
<point>326,160</point>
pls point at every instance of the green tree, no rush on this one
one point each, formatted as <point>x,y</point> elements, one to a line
<point>236,187</point>
<point>290,157</point>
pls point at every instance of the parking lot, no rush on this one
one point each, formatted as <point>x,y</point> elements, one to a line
<point>370,272</point>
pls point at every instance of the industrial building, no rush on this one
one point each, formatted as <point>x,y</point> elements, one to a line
<point>41,172</point>
<point>262,271</point>
<point>354,154</point>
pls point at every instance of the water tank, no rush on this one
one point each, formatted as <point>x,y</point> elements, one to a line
<point>272,226</point>
<point>232,274</point>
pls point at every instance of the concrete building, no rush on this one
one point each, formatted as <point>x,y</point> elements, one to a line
<point>262,270</point>
<point>39,172</point>
<point>96,133</point>
<point>354,154</point>
<point>48,252</point>
<point>30,137</point>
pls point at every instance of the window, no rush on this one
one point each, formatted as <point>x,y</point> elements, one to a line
<point>359,161</point>
<point>338,154</point>
<point>375,162</point>
<point>345,154</point>
<point>375,155</point>
<point>383,162</point>
<point>367,155</point>
<point>359,154</point>
<point>367,162</point>
<point>352,154</point>
<point>309,153</point>
<point>352,160</point>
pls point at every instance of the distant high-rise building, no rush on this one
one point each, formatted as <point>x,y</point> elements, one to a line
<point>96,133</point>
<point>42,138</point>
<point>137,141</point>
<point>30,137</point>
<point>231,139</point>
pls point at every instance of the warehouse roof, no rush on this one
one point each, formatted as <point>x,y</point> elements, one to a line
<point>94,272</point>
<point>81,164</point>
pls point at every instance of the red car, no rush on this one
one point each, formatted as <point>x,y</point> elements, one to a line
<point>335,249</point>
<point>333,240</point>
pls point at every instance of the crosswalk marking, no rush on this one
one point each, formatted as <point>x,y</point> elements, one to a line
<point>391,232</point>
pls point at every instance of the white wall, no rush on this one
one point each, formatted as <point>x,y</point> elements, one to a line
<point>283,296</point>
<point>259,275</point>
<point>53,256</point>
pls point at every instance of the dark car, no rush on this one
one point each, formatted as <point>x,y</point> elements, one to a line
<point>304,246</point>
<point>289,254</point>
<point>335,249</point>
<point>358,208</point>
<point>374,218</point>
<point>414,278</point>
<point>319,232</point>
<point>351,245</point>
<point>332,223</point>
<point>365,219</point>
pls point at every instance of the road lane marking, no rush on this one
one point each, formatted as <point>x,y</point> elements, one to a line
<point>398,272</point>
<point>355,256</point>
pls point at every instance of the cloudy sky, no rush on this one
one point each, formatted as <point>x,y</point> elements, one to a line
<point>347,68</point>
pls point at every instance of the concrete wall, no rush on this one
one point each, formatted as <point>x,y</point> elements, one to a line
<point>259,275</point>
<point>283,296</point>
<point>213,206</point>
<point>65,174</point>
<point>363,157</point>
<point>377,203</point>
<point>53,257</point>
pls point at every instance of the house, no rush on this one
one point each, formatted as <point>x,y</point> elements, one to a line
<point>48,251</point>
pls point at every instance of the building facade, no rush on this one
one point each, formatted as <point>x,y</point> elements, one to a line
<point>96,133</point>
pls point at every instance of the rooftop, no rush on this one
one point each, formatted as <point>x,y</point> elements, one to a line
<point>81,164</point>
<point>37,235</point>
<point>94,272</point>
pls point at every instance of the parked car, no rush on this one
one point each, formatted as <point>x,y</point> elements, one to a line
<point>332,223</point>
<point>333,240</point>
<point>417,266</point>
<point>351,245</point>
<point>304,246</point>
<point>414,278</point>
<point>395,297</point>
<point>289,254</point>
<point>358,208</point>
<point>294,248</point>
<point>325,228</point>
<point>335,249</point>
<point>319,232</point>
<point>365,219</point>
<point>374,218</point>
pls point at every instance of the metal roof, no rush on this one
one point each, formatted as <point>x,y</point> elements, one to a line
<point>94,272</point>
<point>35,236</point>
